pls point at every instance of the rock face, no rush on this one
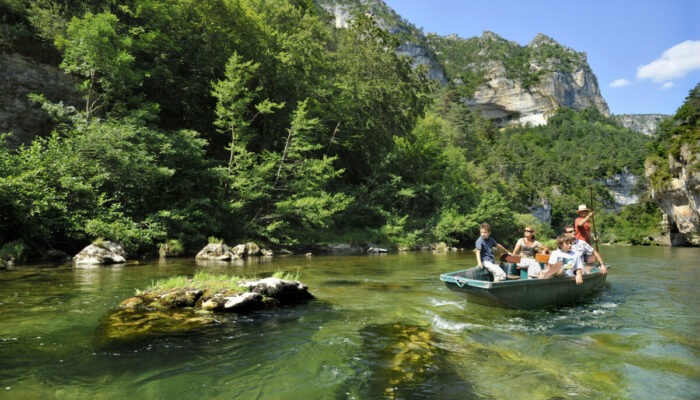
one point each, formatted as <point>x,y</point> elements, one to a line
<point>105,253</point>
<point>623,187</point>
<point>680,198</point>
<point>642,123</point>
<point>21,76</point>
<point>542,210</point>
<point>507,100</point>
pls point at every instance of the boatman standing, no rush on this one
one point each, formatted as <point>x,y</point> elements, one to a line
<point>583,224</point>
<point>583,248</point>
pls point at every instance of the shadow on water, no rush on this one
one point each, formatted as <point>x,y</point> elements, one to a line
<point>400,361</point>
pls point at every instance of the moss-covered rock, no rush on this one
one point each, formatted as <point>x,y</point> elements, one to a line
<point>181,304</point>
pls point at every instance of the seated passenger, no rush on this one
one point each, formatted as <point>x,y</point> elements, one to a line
<point>565,261</point>
<point>484,253</point>
<point>527,247</point>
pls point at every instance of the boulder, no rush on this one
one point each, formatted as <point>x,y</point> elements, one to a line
<point>239,250</point>
<point>216,251</point>
<point>279,289</point>
<point>252,249</point>
<point>244,302</point>
<point>170,249</point>
<point>373,249</point>
<point>104,253</point>
<point>266,252</point>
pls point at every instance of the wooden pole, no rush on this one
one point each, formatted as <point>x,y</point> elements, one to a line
<point>595,235</point>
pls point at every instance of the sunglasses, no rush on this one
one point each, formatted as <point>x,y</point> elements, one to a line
<point>569,232</point>
<point>528,230</point>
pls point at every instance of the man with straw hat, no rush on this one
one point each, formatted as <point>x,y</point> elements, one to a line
<point>583,225</point>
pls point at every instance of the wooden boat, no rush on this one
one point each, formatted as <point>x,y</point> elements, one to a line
<point>524,294</point>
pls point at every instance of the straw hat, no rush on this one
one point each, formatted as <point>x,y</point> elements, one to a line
<point>582,207</point>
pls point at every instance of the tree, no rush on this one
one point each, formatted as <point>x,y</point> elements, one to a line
<point>234,108</point>
<point>95,49</point>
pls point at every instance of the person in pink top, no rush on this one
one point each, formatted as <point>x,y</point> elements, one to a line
<point>583,224</point>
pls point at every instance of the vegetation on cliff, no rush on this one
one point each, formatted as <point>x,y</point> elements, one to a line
<point>681,129</point>
<point>468,59</point>
<point>256,120</point>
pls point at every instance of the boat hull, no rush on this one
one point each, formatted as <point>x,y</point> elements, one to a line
<point>524,294</point>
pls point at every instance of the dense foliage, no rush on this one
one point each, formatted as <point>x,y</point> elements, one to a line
<point>257,120</point>
<point>683,129</point>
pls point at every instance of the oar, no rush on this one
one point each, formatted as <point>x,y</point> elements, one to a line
<point>595,235</point>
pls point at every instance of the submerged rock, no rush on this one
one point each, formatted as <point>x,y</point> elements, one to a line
<point>104,253</point>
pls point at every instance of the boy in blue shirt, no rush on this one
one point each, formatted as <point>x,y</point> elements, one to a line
<point>484,253</point>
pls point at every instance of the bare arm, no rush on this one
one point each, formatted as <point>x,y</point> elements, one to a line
<point>585,219</point>
<point>502,248</point>
<point>478,258</point>
<point>579,276</point>
<point>603,268</point>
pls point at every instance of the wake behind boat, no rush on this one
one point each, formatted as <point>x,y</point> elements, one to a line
<point>524,294</point>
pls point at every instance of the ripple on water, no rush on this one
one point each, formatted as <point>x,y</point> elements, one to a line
<point>441,324</point>
<point>441,303</point>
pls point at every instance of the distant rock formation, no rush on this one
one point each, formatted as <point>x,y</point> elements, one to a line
<point>623,188</point>
<point>642,123</point>
<point>679,199</point>
<point>509,100</point>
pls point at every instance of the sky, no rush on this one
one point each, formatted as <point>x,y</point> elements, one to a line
<point>646,54</point>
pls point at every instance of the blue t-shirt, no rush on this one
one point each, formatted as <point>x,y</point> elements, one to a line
<point>486,247</point>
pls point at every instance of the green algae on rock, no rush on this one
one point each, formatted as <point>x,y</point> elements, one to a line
<point>181,303</point>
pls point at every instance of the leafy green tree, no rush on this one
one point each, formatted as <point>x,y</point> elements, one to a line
<point>235,101</point>
<point>297,202</point>
<point>95,48</point>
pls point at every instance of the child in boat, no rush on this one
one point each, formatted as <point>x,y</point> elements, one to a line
<point>527,246</point>
<point>484,253</point>
<point>565,261</point>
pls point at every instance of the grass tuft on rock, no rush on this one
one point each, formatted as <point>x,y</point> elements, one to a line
<point>206,280</point>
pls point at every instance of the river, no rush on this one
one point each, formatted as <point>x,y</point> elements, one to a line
<point>381,327</point>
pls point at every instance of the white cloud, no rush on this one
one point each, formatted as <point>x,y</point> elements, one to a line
<point>675,62</point>
<point>667,85</point>
<point>620,82</point>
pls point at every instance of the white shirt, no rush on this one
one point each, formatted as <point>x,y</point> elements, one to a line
<point>571,261</point>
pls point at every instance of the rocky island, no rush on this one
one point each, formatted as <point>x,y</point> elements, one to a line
<point>181,303</point>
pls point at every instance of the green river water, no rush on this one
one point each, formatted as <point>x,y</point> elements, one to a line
<point>381,327</point>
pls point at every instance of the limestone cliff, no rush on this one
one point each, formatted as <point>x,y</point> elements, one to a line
<point>519,84</point>
<point>679,197</point>
<point>642,123</point>
<point>21,76</point>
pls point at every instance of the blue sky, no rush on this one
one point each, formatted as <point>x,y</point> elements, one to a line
<point>646,54</point>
